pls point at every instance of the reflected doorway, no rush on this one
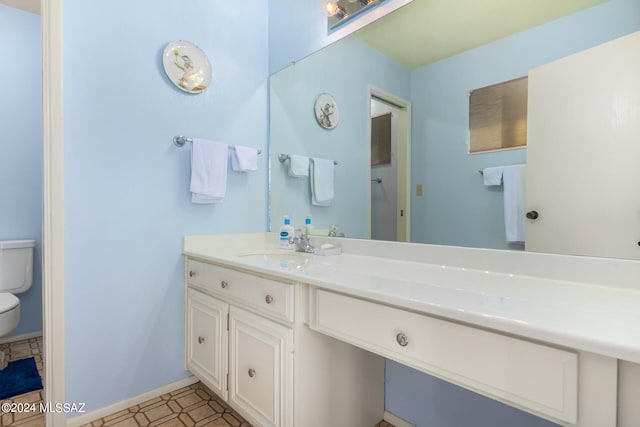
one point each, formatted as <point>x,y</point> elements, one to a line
<point>389,136</point>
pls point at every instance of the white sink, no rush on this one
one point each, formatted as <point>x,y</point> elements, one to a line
<point>281,260</point>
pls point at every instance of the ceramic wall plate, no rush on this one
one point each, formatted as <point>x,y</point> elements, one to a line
<point>187,66</point>
<point>327,111</point>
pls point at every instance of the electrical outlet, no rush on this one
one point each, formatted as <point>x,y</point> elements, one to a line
<point>419,190</point>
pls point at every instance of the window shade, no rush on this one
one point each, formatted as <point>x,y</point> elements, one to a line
<point>498,116</point>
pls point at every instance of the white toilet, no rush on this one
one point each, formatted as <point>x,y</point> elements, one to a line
<point>16,277</point>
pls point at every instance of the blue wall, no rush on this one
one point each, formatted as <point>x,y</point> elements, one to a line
<point>21,147</point>
<point>127,203</point>
<point>337,69</point>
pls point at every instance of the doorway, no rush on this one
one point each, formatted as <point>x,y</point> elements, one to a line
<point>389,136</point>
<point>21,191</point>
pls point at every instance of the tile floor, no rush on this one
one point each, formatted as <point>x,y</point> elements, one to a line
<point>20,350</point>
<point>190,406</point>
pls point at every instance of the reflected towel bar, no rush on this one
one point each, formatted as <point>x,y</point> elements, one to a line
<point>180,140</point>
<point>284,157</point>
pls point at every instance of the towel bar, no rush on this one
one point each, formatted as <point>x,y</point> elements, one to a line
<point>284,157</point>
<point>180,140</point>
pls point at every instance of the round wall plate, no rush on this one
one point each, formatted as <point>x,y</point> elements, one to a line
<point>187,66</point>
<point>327,111</point>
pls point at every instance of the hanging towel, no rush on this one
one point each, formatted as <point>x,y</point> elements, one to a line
<point>298,166</point>
<point>209,161</point>
<point>514,202</point>
<point>322,191</point>
<point>492,176</point>
<point>244,159</point>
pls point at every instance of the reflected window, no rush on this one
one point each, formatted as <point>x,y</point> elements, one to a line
<point>381,140</point>
<point>498,116</point>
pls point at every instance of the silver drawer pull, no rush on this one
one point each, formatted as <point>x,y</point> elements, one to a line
<point>200,340</point>
<point>252,373</point>
<point>224,284</point>
<point>402,339</point>
<point>192,273</point>
<point>268,299</point>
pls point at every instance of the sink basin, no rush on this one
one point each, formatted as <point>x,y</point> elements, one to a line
<point>280,260</point>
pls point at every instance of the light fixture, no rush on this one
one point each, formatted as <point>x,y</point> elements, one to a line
<point>339,11</point>
<point>334,9</point>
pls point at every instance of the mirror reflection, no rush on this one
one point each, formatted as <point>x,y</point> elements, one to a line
<point>432,183</point>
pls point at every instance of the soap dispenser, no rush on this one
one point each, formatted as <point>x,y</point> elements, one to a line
<point>308,228</point>
<point>286,231</point>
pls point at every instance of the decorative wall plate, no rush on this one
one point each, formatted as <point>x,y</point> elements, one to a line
<point>327,111</point>
<point>187,66</point>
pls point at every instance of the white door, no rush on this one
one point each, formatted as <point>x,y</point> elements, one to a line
<point>583,148</point>
<point>207,340</point>
<point>260,368</point>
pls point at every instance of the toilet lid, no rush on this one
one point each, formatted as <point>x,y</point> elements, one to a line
<point>8,301</point>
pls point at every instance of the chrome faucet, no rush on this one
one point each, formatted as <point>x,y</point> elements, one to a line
<point>302,242</point>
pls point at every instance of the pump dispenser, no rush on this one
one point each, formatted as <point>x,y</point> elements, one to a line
<point>308,228</point>
<point>286,231</point>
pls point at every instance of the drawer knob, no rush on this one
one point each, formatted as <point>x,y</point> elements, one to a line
<point>252,373</point>
<point>402,339</point>
<point>200,340</point>
<point>224,284</point>
<point>268,299</point>
<point>192,273</point>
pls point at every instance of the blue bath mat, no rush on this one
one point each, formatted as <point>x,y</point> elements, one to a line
<point>20,376</point>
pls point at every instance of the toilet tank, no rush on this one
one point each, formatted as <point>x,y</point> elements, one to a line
<point>16,265</point>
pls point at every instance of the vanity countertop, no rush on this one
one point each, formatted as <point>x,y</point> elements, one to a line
<point>590,304</point>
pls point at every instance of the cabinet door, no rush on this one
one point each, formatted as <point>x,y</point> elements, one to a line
<point>583,148</point>
<point>207,339</point>
<point>261,368</point>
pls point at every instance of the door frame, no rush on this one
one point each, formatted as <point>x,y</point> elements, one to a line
<point>403,158</point>
<point>53,217</point>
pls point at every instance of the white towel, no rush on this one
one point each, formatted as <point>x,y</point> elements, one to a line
<point>514,202</point>
<point>322,189</point>
<point>244,159</point>
<point>298,166</point>
<point>492,176</point>
<point>209,162</point>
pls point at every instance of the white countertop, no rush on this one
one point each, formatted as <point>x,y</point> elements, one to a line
<point>590,304</point>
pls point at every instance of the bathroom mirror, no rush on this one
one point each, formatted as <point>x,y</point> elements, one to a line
<point>471,45</point>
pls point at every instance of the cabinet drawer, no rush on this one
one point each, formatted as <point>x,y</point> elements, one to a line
<point>266,296</point>
<point>534,377</point>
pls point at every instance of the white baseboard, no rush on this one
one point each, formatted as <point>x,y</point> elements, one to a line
<point>21,337</point>
<point>396,421</point>
<point>124,404</point>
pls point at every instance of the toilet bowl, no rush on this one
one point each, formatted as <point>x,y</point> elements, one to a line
<point>16,276</point>
<point>9,313</point>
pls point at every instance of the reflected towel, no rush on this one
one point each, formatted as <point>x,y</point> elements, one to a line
<point>298,166</point>
<point>244,159</point>
<point>322,188</point>
<point>209,161</point>
<point>492,176</point>
<point>514,202</point>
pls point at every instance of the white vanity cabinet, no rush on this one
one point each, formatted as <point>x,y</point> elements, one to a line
<point>248,341</point>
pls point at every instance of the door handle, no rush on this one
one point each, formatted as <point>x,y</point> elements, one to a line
<point>532,215</point>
